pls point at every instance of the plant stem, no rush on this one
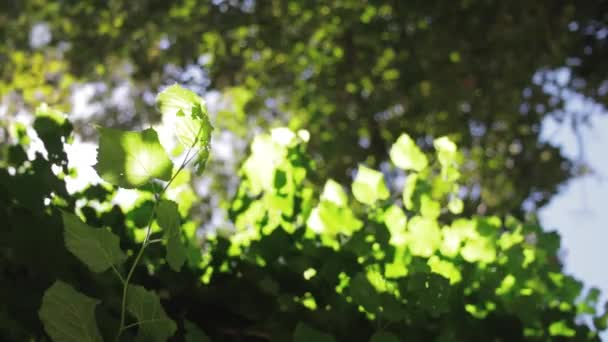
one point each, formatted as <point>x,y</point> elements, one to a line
<point>131,270</point>
<point>145,244</point>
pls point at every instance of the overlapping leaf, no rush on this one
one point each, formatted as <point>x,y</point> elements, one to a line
<point>153,323</point>
<point>368,186</point>
<point>191,122</point>
<point>131,159</point>
<point>68,315</point>
<point>98,248</point>
<point>168,219</point>
<point>406,155</point>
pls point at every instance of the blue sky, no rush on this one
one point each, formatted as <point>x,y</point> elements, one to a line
<point>580,211</point>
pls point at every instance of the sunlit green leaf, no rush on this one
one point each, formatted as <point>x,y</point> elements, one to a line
<point>425,236</point>
<point>68,315</point>
<point>329,219</point>
<point>455,205</point>
<point>429,208</point>
<point>333,192</point>
<point>445,268</point>
<point>406,154</point>
<point>408,191</point>
<point>261,165</point>
<point>561,328</point>
<point>446,150</point>
<point>395,219</point>
<point>98,248</point>
<point>479,250</point>
<point>153,322</point>
<point>191,121</point>
<point>368,186</point>
<point>131,159</point>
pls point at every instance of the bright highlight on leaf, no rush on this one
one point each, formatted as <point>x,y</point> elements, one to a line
<point>98,248</point>
<point>154,324</point>
<point>191,121</point>
<point>406,154</point>
<point>368,186</point>
<point>68,315</point>
<point>131,159</point>
<point>425,236</point>
<point>561,328</point>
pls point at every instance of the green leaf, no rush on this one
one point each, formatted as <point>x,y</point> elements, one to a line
<point>98,248</point>
<point>369,187</point>
<point>455,205</point>
<point>132,159</point>
<point>194,333</point>
<point>406,155</point>
<point>429,208</point>
<point>68,315</point>
<point>305,333</point>
<point>479,249</point>
<point>425,236</point>
<point>384,336</point>
<point>154,324</point>
<point>561,328</point>
<point>191,121</point>
<point>396,221</point>
<point>333,192</point>
<point>167,215</point>
<point>446,151</point>
<point>329,219</point>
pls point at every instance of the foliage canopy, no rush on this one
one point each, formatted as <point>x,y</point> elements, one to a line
<point>340,225</point>
<point>380,265</point>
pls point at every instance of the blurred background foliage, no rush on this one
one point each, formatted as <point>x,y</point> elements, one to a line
<point>354,74</point>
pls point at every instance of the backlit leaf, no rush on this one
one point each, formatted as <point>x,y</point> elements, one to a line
<point>68,315</point>
<point>98,248</point>
<point>368,186</point>
<point>131,159</point>
<point>154,324</point>
<point>168,218</point>
<point>406,154</point>
<point>190,120</point>
<point>425,236</point>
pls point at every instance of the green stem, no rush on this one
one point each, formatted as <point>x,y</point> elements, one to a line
<point>130,274</point>
<point>145,244</point>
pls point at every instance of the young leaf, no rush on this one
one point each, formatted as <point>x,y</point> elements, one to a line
<point>168,219</point>
<point>192,126</point>
<point>154,324</point>
<point>68,315</point>
<point>406,155</point>
<point>305,333</point>
<point>369,186</point>
<point>131,159</point>
<point>98,248</point>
